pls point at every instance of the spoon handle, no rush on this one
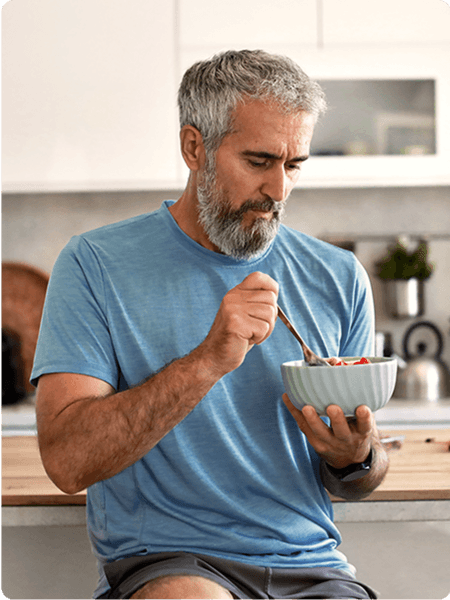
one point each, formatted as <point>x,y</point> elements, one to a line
<point>310,357</point>
<point>292,329</point>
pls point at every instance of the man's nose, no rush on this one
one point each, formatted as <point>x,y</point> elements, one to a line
<point>277,184</point>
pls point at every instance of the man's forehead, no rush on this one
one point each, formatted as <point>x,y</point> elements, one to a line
<point>266,130</point>
<point>248,115</point>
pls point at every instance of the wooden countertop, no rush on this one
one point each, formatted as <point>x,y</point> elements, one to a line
<point>24,480</point>
<point>418,471</point>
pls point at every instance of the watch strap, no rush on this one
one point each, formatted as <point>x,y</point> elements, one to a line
<point>353,471</point>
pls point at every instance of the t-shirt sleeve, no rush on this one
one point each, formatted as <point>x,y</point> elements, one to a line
<point>359,340</point>
<point>74,336</point>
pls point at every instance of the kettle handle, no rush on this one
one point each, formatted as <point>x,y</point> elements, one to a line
<point>431,326</point>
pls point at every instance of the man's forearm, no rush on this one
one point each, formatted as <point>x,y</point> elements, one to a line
<point>363,487</point>
<point>95,438</point>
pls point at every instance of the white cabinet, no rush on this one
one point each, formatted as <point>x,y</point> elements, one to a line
<point>89,95</point>
<point>206,28</point>
<point>238,24</point>
<point>364,63</point>
<point>384,40</point>
<point>89,86</point>
<point>387,22</point>
<point>340,39</point>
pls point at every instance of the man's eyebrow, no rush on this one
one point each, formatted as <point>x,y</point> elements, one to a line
<point>271,156</point>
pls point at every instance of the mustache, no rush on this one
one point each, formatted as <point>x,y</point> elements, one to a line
<point>266,205</point>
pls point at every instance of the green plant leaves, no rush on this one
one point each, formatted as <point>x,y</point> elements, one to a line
<point>401,264</point>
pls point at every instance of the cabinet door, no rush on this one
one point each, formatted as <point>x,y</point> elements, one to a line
<point>385,21</point>
<point>237,24</point>
<point>401,64</point>
<point>89,95</point>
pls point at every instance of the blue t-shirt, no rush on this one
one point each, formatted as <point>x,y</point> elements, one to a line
<point>236,478</point>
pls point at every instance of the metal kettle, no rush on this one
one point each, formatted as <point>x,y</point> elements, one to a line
<point>423,377</point>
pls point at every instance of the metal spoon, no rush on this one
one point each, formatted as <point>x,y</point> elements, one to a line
<point>312,359</point>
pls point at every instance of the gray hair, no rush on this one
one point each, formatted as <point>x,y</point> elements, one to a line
<point>210,90</point>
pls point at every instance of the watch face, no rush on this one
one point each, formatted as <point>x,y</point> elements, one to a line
<point>357,474</point>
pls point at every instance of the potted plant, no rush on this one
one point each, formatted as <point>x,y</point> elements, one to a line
<point>404,273</point>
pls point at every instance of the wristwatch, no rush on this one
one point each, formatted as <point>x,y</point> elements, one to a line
<point>353,471</point>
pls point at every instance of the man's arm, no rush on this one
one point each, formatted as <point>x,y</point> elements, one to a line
<point>88,433</point>
<point>344,443</point>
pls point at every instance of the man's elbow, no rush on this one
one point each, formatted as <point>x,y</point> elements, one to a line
<point>68,486</point>
<point>59,473</point>
<point>350,493</point>
<point>358,489</point>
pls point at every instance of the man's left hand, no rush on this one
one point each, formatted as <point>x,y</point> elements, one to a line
<point>346,441</point>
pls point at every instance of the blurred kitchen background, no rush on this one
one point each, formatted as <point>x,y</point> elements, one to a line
<point>90,137</point>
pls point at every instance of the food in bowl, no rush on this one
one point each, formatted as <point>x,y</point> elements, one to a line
<point>361,361</point>
<point>370,383</point>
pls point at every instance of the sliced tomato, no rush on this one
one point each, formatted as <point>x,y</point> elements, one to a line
<point>362,361</point>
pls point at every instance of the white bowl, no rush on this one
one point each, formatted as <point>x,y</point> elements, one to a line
<point>347,386</point>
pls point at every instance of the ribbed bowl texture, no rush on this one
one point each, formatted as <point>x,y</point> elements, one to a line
<point>347,386</point>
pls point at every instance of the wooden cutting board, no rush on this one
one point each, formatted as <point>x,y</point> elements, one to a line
<point>420,470</point>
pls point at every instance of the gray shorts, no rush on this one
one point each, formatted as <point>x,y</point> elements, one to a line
<point>128,575</point>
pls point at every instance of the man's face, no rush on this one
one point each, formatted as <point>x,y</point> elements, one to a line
<point>242,193</point>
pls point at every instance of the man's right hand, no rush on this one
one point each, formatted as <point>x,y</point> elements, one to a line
<point>246,316</point>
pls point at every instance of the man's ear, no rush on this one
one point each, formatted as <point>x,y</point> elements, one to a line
<point>192,147</point>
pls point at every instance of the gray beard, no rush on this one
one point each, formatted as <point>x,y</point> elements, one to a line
<point>223,225</point>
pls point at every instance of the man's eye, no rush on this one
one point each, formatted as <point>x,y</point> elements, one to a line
<point>258,163</point>
<point>293,167</point>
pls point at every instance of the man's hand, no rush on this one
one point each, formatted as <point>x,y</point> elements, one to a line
<point>346,441</point>
<point>246,316</point>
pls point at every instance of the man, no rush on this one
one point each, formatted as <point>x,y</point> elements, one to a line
<point>159,363</point>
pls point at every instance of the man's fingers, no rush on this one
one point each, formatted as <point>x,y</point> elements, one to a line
<point>259,281</point>
<point>307,419</point>
<point>343,427</point>
<point>364,419</point>
<point>261,305</point>
<point>339,423</point>
<point>298,416</point>
<point>345,441</point>
<point>246,316</point>
<point>258,293</point>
